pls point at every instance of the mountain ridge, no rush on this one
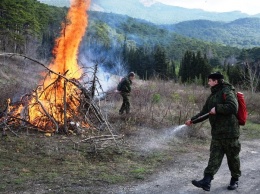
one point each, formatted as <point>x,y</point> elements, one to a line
<point>157,13</point>
<point>241,33</point>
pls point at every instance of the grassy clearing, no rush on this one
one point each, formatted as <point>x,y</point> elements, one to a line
<point>54,165</point>
<point>251,130</point>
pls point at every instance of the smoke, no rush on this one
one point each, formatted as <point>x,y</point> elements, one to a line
<point>106,50</point>
<point>94,56</point>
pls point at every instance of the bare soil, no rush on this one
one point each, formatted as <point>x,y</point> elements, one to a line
<point>177,176</point>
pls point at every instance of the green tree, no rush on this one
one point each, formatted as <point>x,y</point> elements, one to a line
<point>234,73</point>
<point>185,67</point>
<point>24,24</point>
<point>172,70</point>
<point>160,62</point>
<point>194,67</point>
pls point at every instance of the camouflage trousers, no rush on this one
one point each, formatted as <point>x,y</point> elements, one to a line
<point>219,148</point>
<point>126,103</point>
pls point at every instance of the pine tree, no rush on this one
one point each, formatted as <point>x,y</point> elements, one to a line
<point>185,67</point>
<point>160,62</point>
<point>194,67</point>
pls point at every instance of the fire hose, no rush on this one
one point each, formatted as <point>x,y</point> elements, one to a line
<point>200,117</point>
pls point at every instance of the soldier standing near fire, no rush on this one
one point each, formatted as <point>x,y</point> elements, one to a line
<point>124,87</point>
<point>224,130</point>
<point>4,109</point>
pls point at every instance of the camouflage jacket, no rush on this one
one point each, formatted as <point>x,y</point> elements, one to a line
<point>224,124</point>
<point>126,85</point>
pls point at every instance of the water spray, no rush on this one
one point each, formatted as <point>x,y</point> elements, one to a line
<point>159,140</point>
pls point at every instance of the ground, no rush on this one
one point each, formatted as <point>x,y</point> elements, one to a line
<point>41,165</point>
<point>176,177</point>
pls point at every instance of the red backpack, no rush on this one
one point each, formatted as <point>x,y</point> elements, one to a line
<point>242,110</point>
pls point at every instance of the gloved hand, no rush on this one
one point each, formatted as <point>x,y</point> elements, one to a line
<point>188,122</point>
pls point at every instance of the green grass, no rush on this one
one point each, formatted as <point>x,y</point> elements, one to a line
<point>251,130</point>
<point>139,173</point>
<point>51,161</point>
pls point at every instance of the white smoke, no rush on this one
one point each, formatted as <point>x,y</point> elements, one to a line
<point>107,78</point>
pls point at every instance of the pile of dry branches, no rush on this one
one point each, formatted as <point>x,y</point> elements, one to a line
<point>76,113</point>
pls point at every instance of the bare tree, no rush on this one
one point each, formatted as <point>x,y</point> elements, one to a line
<point>120,67</point>
<point>252,75</point>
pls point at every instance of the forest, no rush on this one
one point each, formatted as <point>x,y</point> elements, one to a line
<point>133,44</point>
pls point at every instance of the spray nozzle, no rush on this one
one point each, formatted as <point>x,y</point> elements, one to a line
<point>200,117</point>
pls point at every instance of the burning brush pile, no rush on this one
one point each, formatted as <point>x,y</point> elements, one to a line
<point>63,102</point>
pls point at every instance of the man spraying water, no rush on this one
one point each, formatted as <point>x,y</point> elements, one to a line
<point>224,130</point>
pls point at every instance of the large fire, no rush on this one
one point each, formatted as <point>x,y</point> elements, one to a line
<point>48,106</point>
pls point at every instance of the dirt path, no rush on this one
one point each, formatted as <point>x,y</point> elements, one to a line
<point>177,178</point>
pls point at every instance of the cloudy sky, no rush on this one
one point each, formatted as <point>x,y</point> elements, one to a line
<point>246,6</point>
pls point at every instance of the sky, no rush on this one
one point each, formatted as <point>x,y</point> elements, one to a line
<point>246,6</point>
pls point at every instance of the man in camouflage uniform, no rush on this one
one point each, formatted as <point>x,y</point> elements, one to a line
<point>222,106</point>
<point>125,90</point>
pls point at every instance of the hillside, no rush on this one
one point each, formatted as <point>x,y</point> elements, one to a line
<point>157,13</point>
<point>234,29</point>
<point>115,27</point>
<point>29,27</point>
<point>243,33</point>
<point>43,22</point>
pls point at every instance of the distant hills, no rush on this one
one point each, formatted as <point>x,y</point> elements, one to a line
<point>157,13</point>
<point>242,32</point>
<point>231,28</point>
<point>117,32</point>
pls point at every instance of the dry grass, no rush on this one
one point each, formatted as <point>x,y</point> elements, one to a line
<point>157,104</point>
<point>17,77</point>
<point>253,105</point>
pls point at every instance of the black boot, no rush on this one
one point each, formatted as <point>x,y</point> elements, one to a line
<point>203,183</point>
<point>233,184</point>
<point>121,111</point>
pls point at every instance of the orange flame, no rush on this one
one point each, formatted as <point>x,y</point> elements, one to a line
<point>67,44</point>
<point>65,62</point>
